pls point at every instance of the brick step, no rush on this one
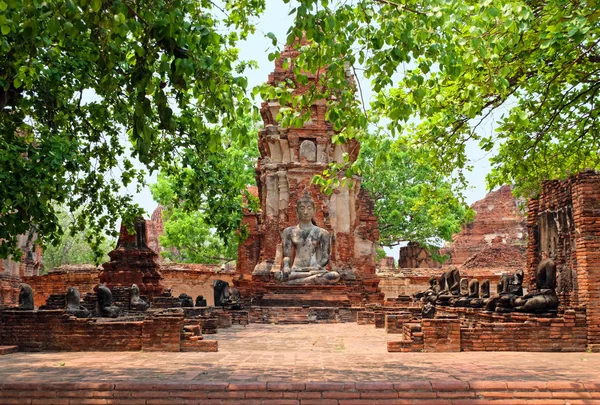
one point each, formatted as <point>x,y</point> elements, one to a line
<point>8,350</point>
<point>301,300</point>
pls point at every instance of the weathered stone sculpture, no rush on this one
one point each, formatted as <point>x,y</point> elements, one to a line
<point>474,288</point>
<point>26,297</point>
<point>219,288</point>
<point>225,296</point>
<point>433,290</point>
<point>74,306</point>
<point>186,300</point>
<point>451,281</point>
<point>501,289</point>
<point>428,310</point>
<point>309,248</point>
<point>544,299</point>
<point>464,287</point>
<point>485,288</point>
<point>136,302</point>
<point>465,294</point>
<point>107,309</point>
<point>200,301</point>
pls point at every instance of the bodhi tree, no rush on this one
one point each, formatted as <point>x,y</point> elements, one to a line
<point>412,202</point>
<point>89,87</point>
<point>439,68</point>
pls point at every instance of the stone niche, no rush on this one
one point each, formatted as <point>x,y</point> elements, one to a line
<point>564,221</point>
<point>289,158</point>
<point>134,262</point>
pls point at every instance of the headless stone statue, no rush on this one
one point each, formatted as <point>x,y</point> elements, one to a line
<point>451,281</point>
<point>186,300</point>
<point>26,297</point>
<point>309,246</point>
<point>474,300</point>
<point>434,289</point>
<point>485,288</point>
<point>219,287</point>
<point>464,287</point>
<point>474,288</point>
<point>501,289</point>
<point>544,299</point>
<point>136,302</point>
<point>74,306</point>
<point>200,301</point>
<point>465,298</point>
<point>107,309</point>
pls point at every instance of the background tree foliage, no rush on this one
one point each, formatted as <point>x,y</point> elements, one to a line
<point>73,248</point>
<point>412,202</point>
<point>438,68</point>
<point>192,215</point>
<point>87,87</point>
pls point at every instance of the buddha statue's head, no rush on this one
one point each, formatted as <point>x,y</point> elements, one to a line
<point>305,208</point>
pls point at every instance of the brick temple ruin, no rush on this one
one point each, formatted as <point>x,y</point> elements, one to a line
<point>493,244</point>
<point>289,159</point>
<point>511,283</point>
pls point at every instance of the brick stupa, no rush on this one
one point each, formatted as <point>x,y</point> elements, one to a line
<point>289,159</point>
<point>135,260</point>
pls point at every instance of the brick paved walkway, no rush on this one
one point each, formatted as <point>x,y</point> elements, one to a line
<point>288,353</point>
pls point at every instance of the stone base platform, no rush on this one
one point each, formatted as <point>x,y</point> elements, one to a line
<point>282,295</point>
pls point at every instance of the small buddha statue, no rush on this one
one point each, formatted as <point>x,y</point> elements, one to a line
<point>513,290</point>
<point>434,289</point>
<point>451,281</point>
<point>136,302</point>
<point>465,294</point>
<point>105,302</point>
<point>544,299</point>
<point>74,306</point>
<point>485,288</point>
<point>26,297</point>
<point>306,249</point>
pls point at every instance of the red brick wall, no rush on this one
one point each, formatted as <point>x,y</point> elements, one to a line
<point>416,392</point>
<point>56,331</point>
<point>415,256</point>
<point>9,289</point>
<point>192,279</point>
<point>441,335</point>
<point>565,221</point>
<point>83,277</point>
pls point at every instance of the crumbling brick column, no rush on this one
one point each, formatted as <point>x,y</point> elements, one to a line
<point>564,221</point>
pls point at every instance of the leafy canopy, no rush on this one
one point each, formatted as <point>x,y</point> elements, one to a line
<point>439,68</point>
<point>88,88</point>
<point>192,214</point>
<point>73,248</point>
<point>412,203</point>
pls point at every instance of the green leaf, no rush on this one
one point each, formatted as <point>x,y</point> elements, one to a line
<point>5,30</point>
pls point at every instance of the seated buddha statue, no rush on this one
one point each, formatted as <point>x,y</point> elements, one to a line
<point>306,249</point>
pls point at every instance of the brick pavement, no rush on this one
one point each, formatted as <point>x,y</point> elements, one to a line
<point>290,353</point>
